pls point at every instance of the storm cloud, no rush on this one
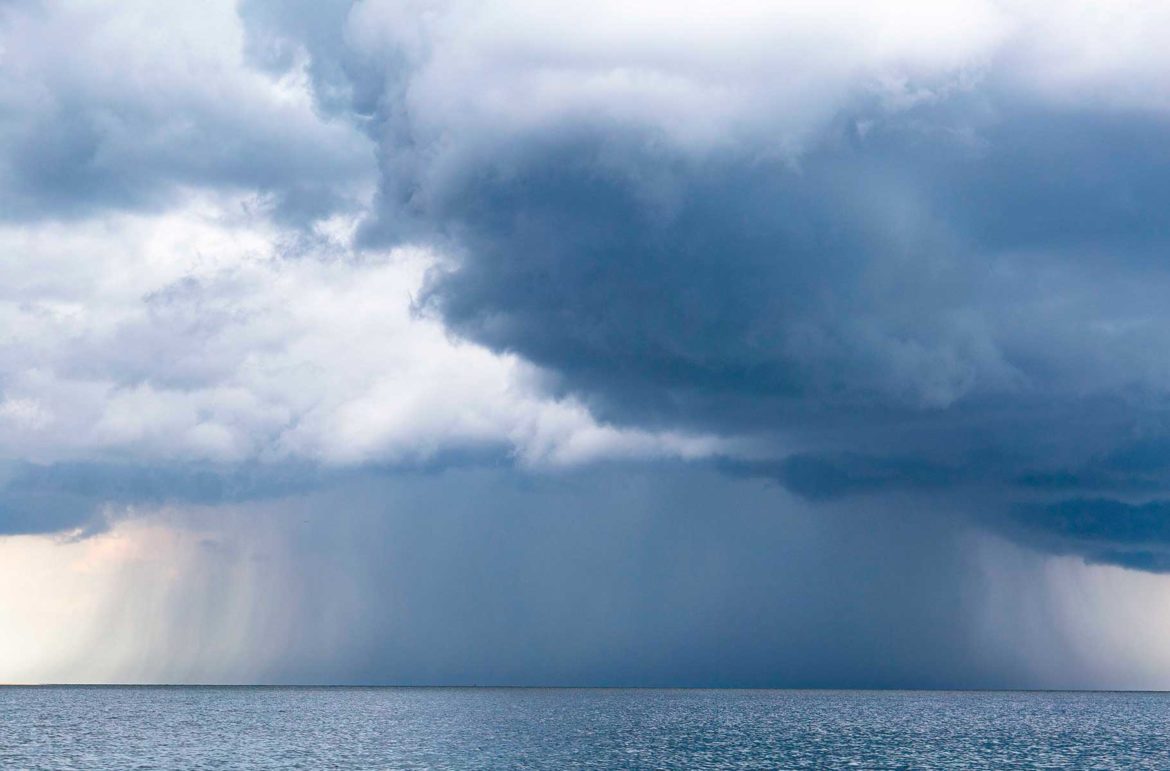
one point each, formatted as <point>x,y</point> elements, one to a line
<point>522,342</point>
<point>926,266</point>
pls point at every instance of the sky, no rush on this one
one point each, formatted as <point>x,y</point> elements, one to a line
<point>737,343</point>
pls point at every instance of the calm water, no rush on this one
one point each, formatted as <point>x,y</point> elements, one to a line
<point>389,728</point>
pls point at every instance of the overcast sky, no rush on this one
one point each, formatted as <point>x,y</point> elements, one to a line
<point>660,343</point>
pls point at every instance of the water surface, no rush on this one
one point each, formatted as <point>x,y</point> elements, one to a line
<point>486,728</point>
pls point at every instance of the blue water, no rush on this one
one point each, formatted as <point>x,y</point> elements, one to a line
<point>485,728</point>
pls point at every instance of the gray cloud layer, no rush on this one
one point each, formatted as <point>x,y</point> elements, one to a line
<point>105,111</point>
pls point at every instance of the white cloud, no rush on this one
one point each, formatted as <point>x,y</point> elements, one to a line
<point>1085,52</point>
<point>209,333</point>
<point>702,73</point>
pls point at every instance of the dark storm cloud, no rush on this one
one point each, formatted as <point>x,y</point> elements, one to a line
<point>962,293</point>
<point>888,297</point>
<point>834,476</point>
<point>1135,535</point>
<point>867,280</point>
<point>1135,467</point>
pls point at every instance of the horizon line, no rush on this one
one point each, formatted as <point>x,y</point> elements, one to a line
<point>825,689</point>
